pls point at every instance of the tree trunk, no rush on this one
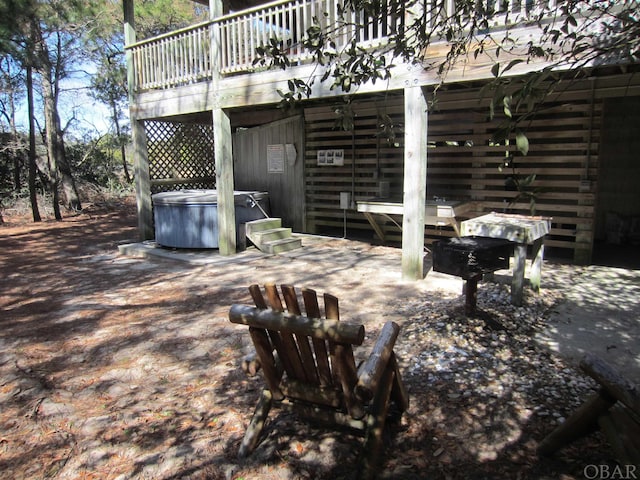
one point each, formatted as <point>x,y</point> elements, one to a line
<point>32,148</point>
<point>55,146</point>
<point>114,109</point>
<point>60,171</point>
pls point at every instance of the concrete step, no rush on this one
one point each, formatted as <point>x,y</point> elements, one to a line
<point>262,224</point>
<point>263,236</point>
<point>282,245</point>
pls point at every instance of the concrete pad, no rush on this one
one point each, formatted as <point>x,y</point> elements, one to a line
<point>600,314</point>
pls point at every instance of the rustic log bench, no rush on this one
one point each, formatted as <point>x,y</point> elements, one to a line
<point>470,258</point>
<point>615,408</point>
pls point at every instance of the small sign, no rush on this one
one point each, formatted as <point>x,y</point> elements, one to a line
<point>331,157</point>
<point>275,158</point>
<point>291,152</point>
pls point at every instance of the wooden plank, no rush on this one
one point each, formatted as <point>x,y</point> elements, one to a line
<point>617,385</point>
<point>274,298</point>
<point>331,308</point>
<point>345,367</point>
<point>283,340</point>
<point>258,298</point>
<point>312,308</point>
<point>623,432</point>
<point>306,355</point>
<point>307,392</point>
<point>580,423</point>
<point>269,368</point>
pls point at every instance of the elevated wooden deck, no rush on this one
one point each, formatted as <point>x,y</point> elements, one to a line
<point>214,64</point>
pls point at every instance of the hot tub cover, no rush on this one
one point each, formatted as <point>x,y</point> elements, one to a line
<point>189,218</point>
<point>202,197</point>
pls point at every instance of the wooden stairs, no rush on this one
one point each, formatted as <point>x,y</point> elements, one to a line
<point>268,235</point>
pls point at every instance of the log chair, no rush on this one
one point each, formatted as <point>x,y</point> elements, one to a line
<point>308,365</point>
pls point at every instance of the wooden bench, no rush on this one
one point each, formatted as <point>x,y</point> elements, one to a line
<point>308,366</point>
<point>523,230</point>
<point>615,409</point>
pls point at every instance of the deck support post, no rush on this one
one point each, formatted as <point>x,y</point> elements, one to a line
<point>415,182</point>
<point>138,135</point>
<point>223,154</point>
<point>224,182</point>
<point>142,180</point>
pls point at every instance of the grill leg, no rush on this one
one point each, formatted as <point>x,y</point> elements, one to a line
<point>471,295</point>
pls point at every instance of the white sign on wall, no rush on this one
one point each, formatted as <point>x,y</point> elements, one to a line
<point>278,154</point>
<point>331,157</point>
<point>275,158</point>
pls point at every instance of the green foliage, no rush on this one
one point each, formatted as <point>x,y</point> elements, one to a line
<point>575,33</point>
<point>154,17</point>
<point>98,162</point>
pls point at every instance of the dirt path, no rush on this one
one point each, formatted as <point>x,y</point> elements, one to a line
<point>115,367</point>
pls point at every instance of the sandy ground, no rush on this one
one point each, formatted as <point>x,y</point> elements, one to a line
<point>598,312</point>
<point>115,366</point>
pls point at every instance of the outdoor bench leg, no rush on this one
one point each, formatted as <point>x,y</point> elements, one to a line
<point>517,283</point>
<point>536,264</point>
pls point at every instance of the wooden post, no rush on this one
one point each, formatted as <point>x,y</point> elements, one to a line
<point>224,182</point>
<point>415,182</point>
<point>143,182</point>
<point>517,282</point>
<point>138,135</point>
<point>223,154</point>
<point>536,264</point>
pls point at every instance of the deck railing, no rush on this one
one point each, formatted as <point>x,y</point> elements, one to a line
<point>173,59</point>
<point>185,56</point>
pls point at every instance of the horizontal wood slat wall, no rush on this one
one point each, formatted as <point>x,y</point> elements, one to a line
<point>463,164</point>
<point>368,160</point>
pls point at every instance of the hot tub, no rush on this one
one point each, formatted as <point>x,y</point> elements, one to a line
<point>189,218</point>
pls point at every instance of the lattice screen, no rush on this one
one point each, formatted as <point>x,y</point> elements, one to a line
<point>180,156</point>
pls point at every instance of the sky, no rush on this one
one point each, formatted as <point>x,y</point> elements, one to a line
<point>91,116</point>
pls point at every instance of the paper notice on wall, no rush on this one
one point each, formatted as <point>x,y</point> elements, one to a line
<point>331,157</point>
<point>291,153</point>
<point>275,158</point>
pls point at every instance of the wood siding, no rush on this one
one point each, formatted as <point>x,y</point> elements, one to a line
<point>463,164</point>
<point>251,172</point>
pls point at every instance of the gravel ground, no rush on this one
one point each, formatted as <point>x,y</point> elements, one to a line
<point>116,367</point>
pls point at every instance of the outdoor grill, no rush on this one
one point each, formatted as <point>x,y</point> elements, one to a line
<point>470,258</point>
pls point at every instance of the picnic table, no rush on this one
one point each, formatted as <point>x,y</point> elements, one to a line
<point>438,212</point>
<point>523,230</point>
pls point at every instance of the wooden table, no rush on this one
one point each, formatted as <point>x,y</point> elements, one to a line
<point>437,212</point>
<point>522,230</point>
